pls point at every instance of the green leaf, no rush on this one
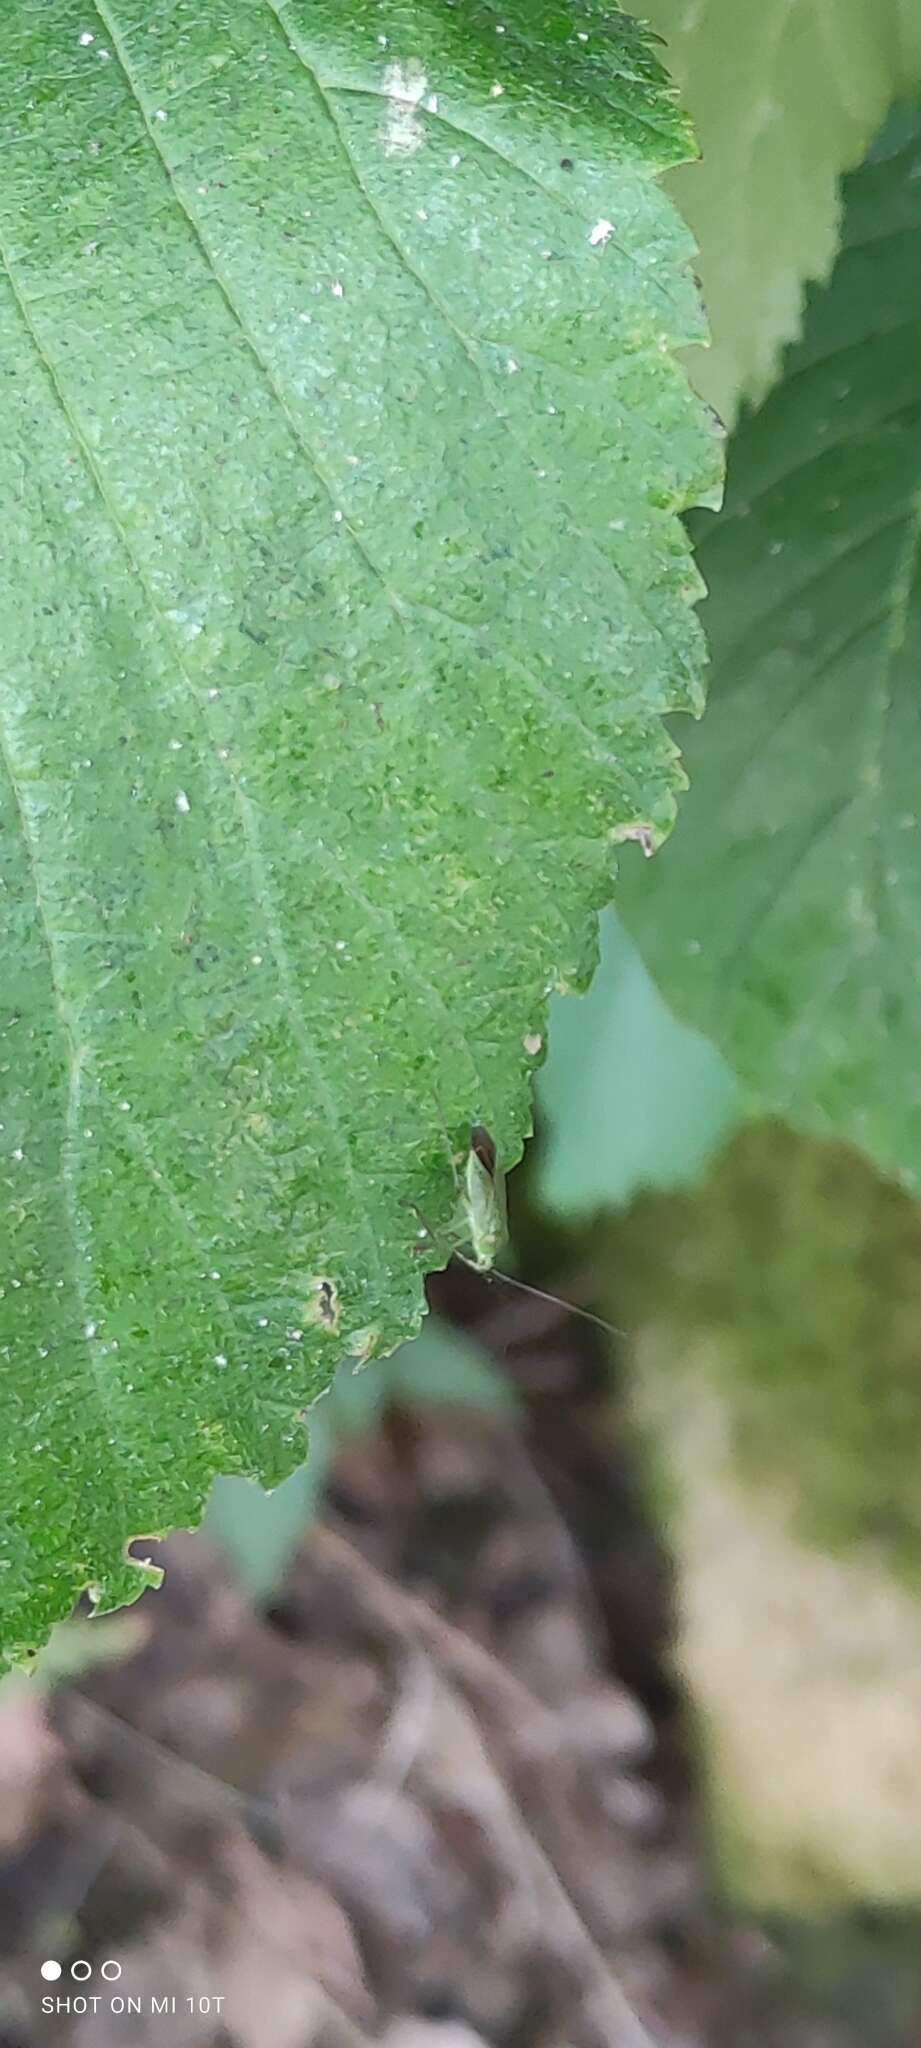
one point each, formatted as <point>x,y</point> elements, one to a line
<point>629,1098</point>
<point>783,99</point>
<point>344,590</point>
<point>784,916</point>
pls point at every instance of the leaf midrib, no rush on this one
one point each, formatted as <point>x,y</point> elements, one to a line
<point>400,604</point>
<point>263,894</point>
<point>75,1056</point>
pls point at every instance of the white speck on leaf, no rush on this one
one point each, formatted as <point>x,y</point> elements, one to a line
<point>160,114</point>
<point>405,87</point>
<point>89,1329</point>
<point>337,289</point>
<point>182,801</point>
<point>532,1043</point>
<point>600,233</point>
<point>496,91</point>
<point>87,38</point>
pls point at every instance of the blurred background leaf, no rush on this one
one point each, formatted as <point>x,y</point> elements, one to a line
<point>782,917</point>
<point>784,98</point>
<point>629,1098</point>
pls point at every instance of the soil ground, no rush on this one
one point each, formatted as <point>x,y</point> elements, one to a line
<point>439,1793</point>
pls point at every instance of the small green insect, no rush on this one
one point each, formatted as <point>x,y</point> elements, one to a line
<point>483,1220</point>
<point>485,1216</point>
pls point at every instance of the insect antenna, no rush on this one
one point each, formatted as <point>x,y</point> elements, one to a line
<point>584,1315</point>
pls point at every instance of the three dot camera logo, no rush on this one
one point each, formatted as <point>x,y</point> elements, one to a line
<point>109,1973</point>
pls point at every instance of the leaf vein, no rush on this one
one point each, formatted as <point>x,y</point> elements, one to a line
<point>756,624</point>
<point>263,891</point>
<point>468,345</point>
<point>70,1128</point>
<point>399,604</point>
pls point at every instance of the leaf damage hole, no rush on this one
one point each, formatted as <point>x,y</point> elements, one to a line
<point>324,1307</point>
